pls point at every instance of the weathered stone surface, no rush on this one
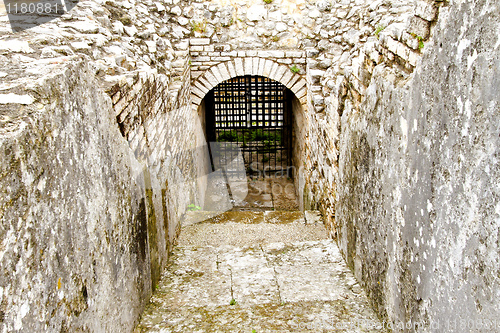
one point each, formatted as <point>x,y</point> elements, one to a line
<point>374,81</point>
<point>417,206</point>
<point>259,284</point>
<point>74,216</point>
<point>92,220</point>
<point>256,13</point>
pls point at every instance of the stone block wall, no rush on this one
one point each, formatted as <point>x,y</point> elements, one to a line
<point>373,142</point>
<point>325,41</point>
<point>103,100</point>
<point>417,202</point>
<point>74,218</point>
<point>387,38</point>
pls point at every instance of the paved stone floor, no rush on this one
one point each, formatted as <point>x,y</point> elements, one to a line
<point>267,271</point>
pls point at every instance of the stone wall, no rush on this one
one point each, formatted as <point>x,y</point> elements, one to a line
<point>327,44</point>
<point>102,149</point>
<point>99,111</point>
<point>74,219</point>
<point>418,203</point>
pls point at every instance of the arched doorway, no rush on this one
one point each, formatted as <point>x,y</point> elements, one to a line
<point>255,114</point>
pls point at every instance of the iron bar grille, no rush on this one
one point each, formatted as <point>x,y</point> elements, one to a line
<point>253,112</point>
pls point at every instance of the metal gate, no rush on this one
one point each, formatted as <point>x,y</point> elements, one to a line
<point>254,113</point>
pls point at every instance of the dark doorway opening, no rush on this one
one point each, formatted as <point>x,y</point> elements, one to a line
<point>254,113</point>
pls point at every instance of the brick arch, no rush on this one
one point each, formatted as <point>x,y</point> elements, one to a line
<point>247,66</point>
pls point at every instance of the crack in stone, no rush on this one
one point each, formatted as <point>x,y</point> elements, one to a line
<point>275,275</point>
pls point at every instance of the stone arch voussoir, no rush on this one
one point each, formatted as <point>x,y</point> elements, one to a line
<point>248,66</point>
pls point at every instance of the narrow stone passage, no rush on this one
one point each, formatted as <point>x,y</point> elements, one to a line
<point>269,271</point>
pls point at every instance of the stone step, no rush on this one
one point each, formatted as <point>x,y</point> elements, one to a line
<point>251,217</point>
<point>243,228</point>
<point>273,287</point>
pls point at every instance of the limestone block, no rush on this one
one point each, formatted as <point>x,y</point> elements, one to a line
<point>216,73</point>
<point>294,54</point>
<point>287,77</point>
<point>263,54</point>
<point>419,27</point>
<point>231,69</point>
<point>238,62</point>
<point>394,30</point>
<point>179,31</point>
<point>248,66</point>
<point>295,79</point>
<point>199,41</point>
<point>12,98</point>
<point>118,28</point>
<point>203,80</point>
<point>196,48</point>
<point>301,83</point>
<point>275,16</point>
<point>274,69</point>
<point>201,59</point>
<point>289,42</point>
<point>280,27</point>
<point>268,65</point>
<point>212,79</point>
<point>151,46</point>
<point>224,72</point>
<point>324,5</point>
<point>219,59</point>
<point>403,51</point>
<point>176,11</point>
<point>260,70</point>
<point>131,31</point>
<point>413,58</point>
<point>314,13</point>
<point>280,72</point>
<point>255,65</point>
<point>229,54</point>
<point>302,94</point>
<point>257,13</point>
<point>303,99</point>
<point>182,21</point>
<point>351,37</point>
<point>427,11</point>
<point>80,46</point>
<point>201,88</point>
<point>316,75</point>
<point>392,45</point>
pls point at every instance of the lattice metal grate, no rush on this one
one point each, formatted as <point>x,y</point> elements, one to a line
<point>252,112</point>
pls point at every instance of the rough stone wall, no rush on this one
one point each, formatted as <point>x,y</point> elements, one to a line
<point>395,192</point>
<point>418,208</point>
<point>376,33</point>
<point>330,33</point>
<point>327,42</point>
<point>74,242</point>
<point>100,217</point>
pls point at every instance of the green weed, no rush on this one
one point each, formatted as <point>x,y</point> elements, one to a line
<point>193,208</point>
<point>295,69</point>
<point>199,26</point>
<point>379,29</point>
